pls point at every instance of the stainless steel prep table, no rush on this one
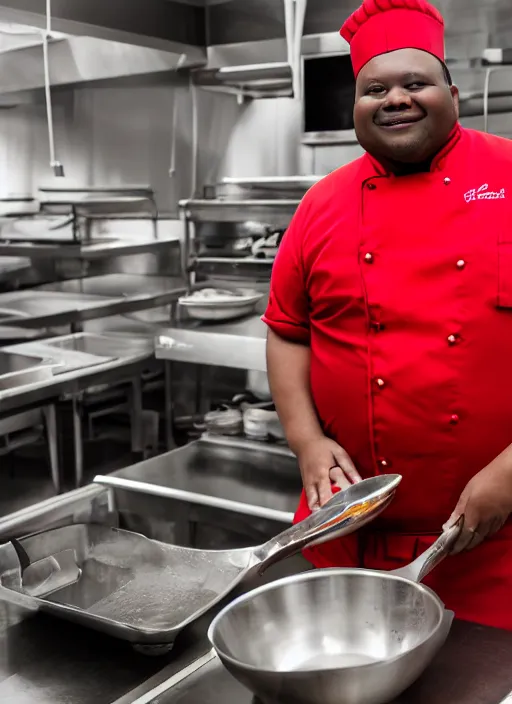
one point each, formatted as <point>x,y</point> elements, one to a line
<point>133,357</point>
<point>230,474</point>
<point>240,344</point>
<point>12,267</point>
<point>472,668</point>
<point>100,249</point>
<point>41,307</point>
<point>48,661</point>
<point>117,285</point>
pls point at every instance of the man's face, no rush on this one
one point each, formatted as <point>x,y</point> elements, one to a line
<point>404,109</point>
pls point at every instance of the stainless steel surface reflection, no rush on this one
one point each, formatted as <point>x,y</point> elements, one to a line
<point>20,370</point>
<point>145,591</point>
<point>357,635</point>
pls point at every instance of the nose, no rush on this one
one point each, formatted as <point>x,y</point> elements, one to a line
<point>397,99</point>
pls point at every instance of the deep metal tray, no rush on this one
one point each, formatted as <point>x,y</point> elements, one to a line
<point>119,582</point>
<point>145,591</point>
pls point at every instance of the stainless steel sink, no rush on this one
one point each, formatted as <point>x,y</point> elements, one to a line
<point>19,370</point>
<point>87,343</point>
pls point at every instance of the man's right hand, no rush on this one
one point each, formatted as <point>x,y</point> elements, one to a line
<point>322,463</point>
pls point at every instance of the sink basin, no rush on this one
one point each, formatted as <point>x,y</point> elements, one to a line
<point>98,345</point>
<point>20,370</point>
<point>87,343</point>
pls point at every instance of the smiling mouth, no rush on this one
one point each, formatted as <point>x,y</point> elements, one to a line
<point>401,122</point>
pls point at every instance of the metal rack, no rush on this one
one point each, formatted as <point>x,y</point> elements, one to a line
<point>252,207</point>
<point>83,205</point>
<point>77,207</point>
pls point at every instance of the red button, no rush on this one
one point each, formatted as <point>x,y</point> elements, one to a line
<point>384,464</point>
<point>461,264</point>
<point>376,326</point>
<point>453,339</point>
<point>368,257</point>
<point>371,186</point>
<point>454,419</point>
<point>380,383</point>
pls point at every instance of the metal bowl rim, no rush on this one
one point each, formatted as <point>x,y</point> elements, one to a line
<point>313,575</point>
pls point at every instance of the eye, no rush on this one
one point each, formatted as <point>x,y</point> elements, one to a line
<point>375,90</point>
<point>417,85</point>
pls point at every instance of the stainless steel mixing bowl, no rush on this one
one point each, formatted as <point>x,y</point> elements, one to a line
<point>335,636</point>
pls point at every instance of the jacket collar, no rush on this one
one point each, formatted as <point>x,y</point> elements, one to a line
<point>372,168</point>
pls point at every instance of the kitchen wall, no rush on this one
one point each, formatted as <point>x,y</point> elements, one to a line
<point>122,135</point>
<point>113,135</point>
<point>117,135</point>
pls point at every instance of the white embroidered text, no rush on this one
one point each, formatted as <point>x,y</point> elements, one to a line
<point>483,193</point>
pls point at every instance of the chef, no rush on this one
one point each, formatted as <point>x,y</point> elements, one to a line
<point>390,320</point>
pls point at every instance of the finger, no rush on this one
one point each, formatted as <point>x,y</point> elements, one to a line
<point>323,487</point>
<point>466,536</point>
<point>338,477</point>
<point>496,525</point>
<point>346,464</point>
<point>478,539</point>
<point>451,521</point>
<point>471,538</point>
<point>312,497</point>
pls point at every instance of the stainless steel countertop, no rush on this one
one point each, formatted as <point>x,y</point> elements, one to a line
<point>80,300</point>
<point>116,285</point>
<point>233,471</point>
<point>47,661</point>
<point>36,308</point>
<point>97,250</point>
<point>133,356</point>
<point>240,344</point>
<point>10,267</point>
<point>449,680</point>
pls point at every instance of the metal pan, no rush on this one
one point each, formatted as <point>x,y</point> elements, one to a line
<point>336,635</point>
<point>145,591</point>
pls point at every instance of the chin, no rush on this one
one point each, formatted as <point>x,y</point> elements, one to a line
<point>408,151</point>
<point>407,156</point>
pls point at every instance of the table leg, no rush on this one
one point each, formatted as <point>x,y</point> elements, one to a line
<point>136,420</point>
<point>50,416</point>
<point>77,440</point>
<point>170,442</point>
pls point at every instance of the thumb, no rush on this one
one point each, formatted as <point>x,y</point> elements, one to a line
<point>452,520</point>
<point>458,511</point>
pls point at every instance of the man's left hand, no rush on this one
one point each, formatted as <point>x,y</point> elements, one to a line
<point>486,503</point>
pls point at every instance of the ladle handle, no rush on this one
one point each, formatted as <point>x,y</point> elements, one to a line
<point>427,561</point>
<point>338,517</point>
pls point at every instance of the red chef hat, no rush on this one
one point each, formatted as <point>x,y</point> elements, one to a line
<point>380,26</point>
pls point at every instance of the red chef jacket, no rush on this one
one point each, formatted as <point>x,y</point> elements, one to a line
<point>402,287</point>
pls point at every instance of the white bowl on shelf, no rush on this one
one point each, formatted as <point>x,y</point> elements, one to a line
<point>220,304</point>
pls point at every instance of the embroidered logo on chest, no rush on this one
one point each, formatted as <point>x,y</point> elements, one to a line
<point>483,193</point>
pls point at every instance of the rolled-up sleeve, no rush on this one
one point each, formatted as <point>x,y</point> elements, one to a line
<point>287,312</point>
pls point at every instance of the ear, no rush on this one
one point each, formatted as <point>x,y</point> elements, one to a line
<point>455,96</point>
